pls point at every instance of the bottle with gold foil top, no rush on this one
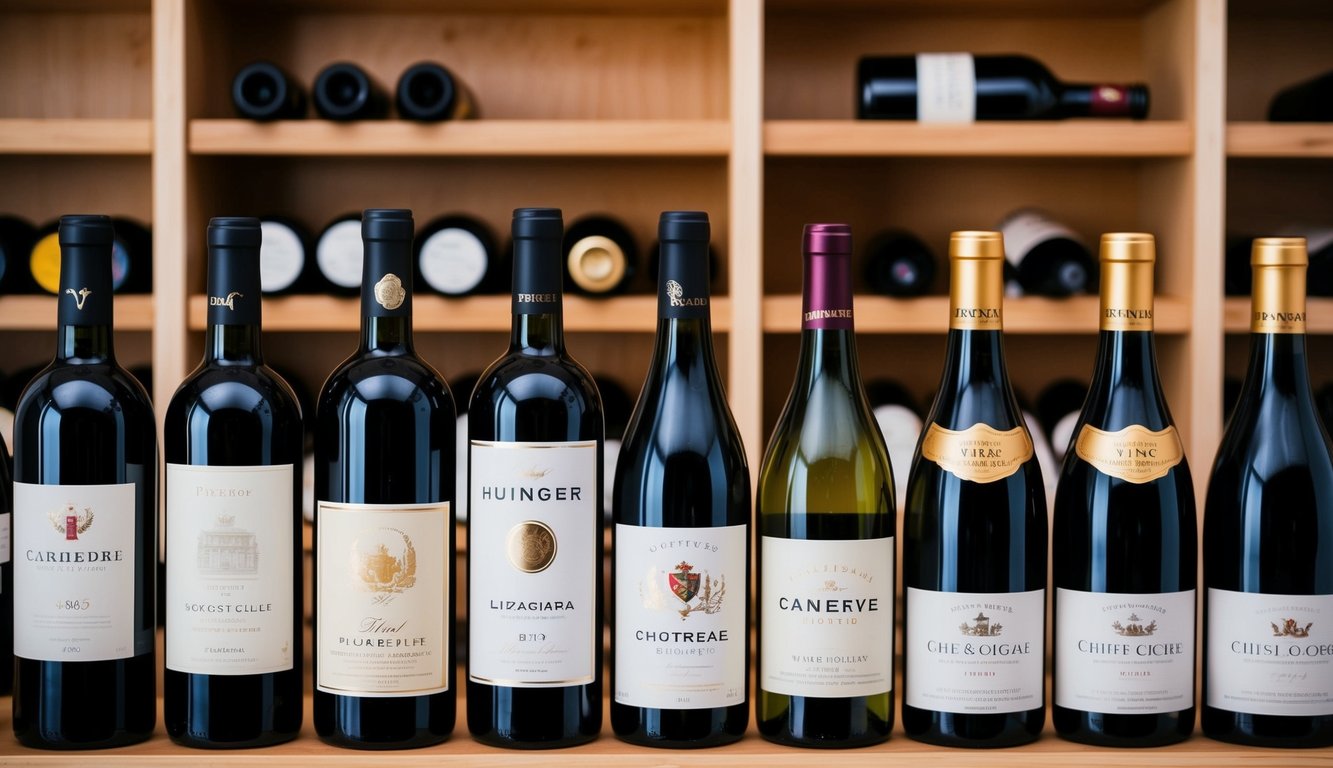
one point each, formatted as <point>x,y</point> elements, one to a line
<point>1268,534</point>
<point>974,534</point>
<point>1124,535</point>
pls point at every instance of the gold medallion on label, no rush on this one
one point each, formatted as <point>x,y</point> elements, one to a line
<point>1134,454</point>
<point>980,453</point>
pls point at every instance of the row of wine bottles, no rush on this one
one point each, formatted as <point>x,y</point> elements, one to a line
<point>975,528</point>
<point>30,257</point>
<point>343,91</point>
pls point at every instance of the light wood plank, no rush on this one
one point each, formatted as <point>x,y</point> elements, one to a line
<point>484,138</point>
<point>1294,140</point>
<point>76,136</point>
<point>632,314</point>
<point>930,315</point>
<point>38,313</point>
<point>1092,138</point>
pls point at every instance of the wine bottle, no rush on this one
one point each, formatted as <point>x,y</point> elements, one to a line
<point>974,534</point>
<point>600,256</point>
<point>826,521</point>
<point>900,423</point>
<point>262,91</point>
<point>1049,259</point>
<point>961,87</point>
<point>897,263</point>
<point>682,533</point>
<point>1309,101</point>
<point>1059,407</point>
<point>456,256</point>
<point>1268,534</point>
<point>16,239</point>
<point>233,440</point>
<point>344,92</point>
<point>1125,539</point>
<point>384,533</point>
<point>535,520</point>
<point>285,265</point>
<point>427,92</point>
<point>339,256</point>
<point>85,491</point>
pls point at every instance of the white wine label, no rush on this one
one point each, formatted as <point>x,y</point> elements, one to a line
<point>1124,654</point>
<point>1270,654</point>
<point>1134,454</point>
<point>340,254</point>
<point>532,563</point>
<point>281,256</point>
<point>946,88</point>
<point>382,599</point>
<point>827,617</point>
<point>453,261</point>
<point>1026,229</point>
<point>980,453</point>
<point>229,569</point>
<point>976,652</point>
<point>680,616</point>
<point>74,572</point>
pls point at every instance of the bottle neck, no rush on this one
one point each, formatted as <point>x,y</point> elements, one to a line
<point>828,352</point>
<point>237,344</point>
<point>1127,351</point>
<point>538,307</point>
<point>386,297</point>
<point>684,327</point>
<point>84,344</point>
<point>1278,365</point>
<point>234,308</point>
<point>974,368</point>
<point>84,306</point>
<point>828,341</point>
<point>1101,100</point>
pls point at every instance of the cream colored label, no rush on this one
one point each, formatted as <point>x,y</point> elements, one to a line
<point>229,569</point>
<point>980,453</point>
<point>827,626</point>
<point>1134,454</point>
<point>74,572</point>
<point>381,606</point>
<point>1270,654</point>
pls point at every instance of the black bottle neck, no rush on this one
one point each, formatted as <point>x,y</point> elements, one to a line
<point>684,324</point>
<point>1126,389</point>
<point>234,308</point>
<point>84,305</point>
<point>975,384</point>
<point>538,325</point>
<point>1278,369</point>
<point>386,297</point>
<point>1101,100</point>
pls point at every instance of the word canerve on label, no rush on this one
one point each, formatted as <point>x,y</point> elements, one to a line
<point>828,616</point>
<point>680,616</point>
<point>979,453</point>
<point>533,510</point>
<point>1270,654</point>
<point>1134,454</point>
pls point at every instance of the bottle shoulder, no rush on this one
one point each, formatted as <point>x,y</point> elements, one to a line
<point>242,390</point>
<point>520,377</point>
<point>369,377</point>
<point>102,386</point>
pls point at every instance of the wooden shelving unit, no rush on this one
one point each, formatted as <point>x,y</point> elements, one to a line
<point>742,108</point>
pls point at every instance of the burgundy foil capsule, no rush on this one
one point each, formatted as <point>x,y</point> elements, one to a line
<point>827,303</point>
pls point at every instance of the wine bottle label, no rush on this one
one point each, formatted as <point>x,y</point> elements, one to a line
<point>340,254</point>
<point>1026,229</point>
<point>973,653</point>
<point>74,572</point>
<point>1270,654</point>
<point>281,257</point>
<point>229,600</point>
<point>946,88</point>
<point>453,261</point>
<point>1124,654</point>
<point>382,599</point>
<point>980,453</point>
<point>827,617</point>
<point>532,563</point>
<point>680,616</point>
<point>1134,454</point>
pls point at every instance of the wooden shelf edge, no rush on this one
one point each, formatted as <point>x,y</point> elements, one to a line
<point>38,313</point>
<point>930,314</point>
<point>481,138</point>
<point>619,314</point>
<point>884,138</point>
<point>1279,140</point>
<point>1318,314</point>
<point>76,136</point>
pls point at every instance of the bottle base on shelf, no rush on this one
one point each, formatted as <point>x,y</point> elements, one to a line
<point>1300,732</point>
<point>1100,729</point>
<point>269,739</point>
<point>680,728</point>
<point>973,731</point>
<point>492,739</point>
<point>341,740</point>
<point>819,723</point>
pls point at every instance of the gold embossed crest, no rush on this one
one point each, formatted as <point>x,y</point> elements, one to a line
<point>384,560</point>
<point>531,546</point>
<point>1134,454</point>
<point>979,453</point>
<point>389,292</point>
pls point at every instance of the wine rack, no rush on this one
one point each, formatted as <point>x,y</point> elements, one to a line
<point>739,107</point>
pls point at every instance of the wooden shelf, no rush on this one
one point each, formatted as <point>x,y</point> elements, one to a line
<point>476,138</point>
<point>76,136</point>
<point>884,138</point>
<point>474,313</point>
<point>1318,315</point>
<point>38,313</point>
<point>609,752</point>
<point>930,314</point>
<point>1294,140</point>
